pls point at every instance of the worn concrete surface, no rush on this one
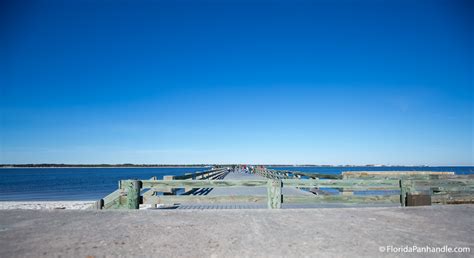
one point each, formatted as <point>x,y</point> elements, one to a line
<point>341,232</point>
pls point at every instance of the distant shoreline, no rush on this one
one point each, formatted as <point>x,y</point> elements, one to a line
<point>112,167</point>
<point>9,166</point>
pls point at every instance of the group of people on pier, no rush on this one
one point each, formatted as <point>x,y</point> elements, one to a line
<point>248,169</point>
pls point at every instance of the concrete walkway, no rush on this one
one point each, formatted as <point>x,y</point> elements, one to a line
<point>350,232</point>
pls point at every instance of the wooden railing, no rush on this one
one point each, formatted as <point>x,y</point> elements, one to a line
<point>115,199</point>
<point>396,174</point>
<point>288,174</point>
<point>446,190</point>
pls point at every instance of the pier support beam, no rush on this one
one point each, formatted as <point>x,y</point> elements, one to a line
<point>274,193</point>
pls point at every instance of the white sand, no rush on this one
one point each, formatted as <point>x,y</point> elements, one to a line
<point>45,205</point>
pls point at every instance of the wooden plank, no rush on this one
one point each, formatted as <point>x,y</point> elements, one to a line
<point>169,199</point>
<point>447,182</point>
<point>112,200</point>
<point>443,185</point>
<point>346,191</point>
<point>212,175</point>
<point>381,173</point>
<point>194,175</point>
<point>349,184</point>
<point>204,183</point>
<point>353,183</point>
<point>112,196</point>
<point>191,175</point>
<point>465,193</point>
<point>393,177</point>
<point>353,199</point>
<point>393,174</point>
<point>274,194</point>
<point>453,198</point>
<point>452,188</point>
<point>315,175</point>
<point>115,204</point>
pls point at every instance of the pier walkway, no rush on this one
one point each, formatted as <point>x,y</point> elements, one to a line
<point>242,191</point>
<point>252,190</point>
<point>260,191</point>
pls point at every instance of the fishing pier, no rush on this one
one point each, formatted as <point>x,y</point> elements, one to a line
<point>261,187</point>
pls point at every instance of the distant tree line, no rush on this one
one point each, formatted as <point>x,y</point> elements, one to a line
<point>53,165</point>
<point>49,165</point>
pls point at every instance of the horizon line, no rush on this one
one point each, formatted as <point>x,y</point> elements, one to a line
<point>218,164</point>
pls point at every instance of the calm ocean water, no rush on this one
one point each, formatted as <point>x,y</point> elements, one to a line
<point>23,184</point>
<point>54,184</point>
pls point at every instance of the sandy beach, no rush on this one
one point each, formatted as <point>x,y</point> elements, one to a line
<point>45,205</point>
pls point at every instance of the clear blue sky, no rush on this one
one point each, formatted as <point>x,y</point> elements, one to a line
<point>321,82</point>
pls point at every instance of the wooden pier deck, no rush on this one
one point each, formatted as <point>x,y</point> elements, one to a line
<point>253,190</point>
<point>245,191</point>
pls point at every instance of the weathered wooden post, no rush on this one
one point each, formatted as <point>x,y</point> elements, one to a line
<point>406,186</point>
<point>99,205</point>
<point>133,193</point>
<point>274,194</point>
